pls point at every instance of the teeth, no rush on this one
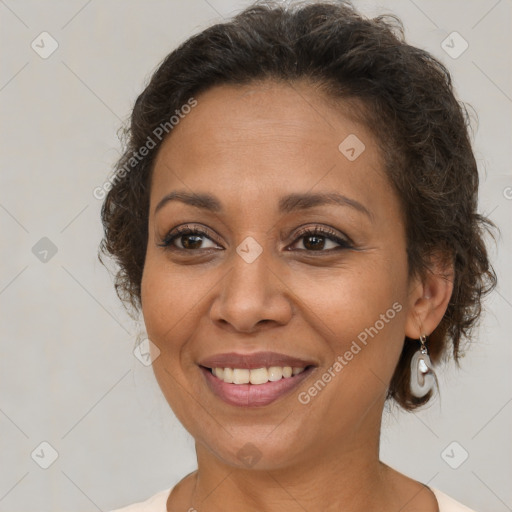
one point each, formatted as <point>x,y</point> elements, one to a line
<point>228,375</point>
<point>241,376</point>
<point>275,373</point>
<point>255,376</point>
<point>259,376</point>
<point>219,372</point>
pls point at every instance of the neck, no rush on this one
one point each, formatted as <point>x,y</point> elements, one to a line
<point>327,486</point>
<point>348,476</point>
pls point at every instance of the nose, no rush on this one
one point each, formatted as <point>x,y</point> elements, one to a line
<point>252,296</point>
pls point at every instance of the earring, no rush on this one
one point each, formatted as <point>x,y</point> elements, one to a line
<point>422,374</point>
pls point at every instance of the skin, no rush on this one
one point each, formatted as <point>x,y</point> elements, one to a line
<point>249,146</point>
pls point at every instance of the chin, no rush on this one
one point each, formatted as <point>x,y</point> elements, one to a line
<point>254,448</point>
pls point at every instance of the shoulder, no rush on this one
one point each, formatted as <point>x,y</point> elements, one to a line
<point>157,503</point>
<point>447,504</point>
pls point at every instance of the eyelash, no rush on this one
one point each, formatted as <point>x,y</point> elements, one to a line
<point>320,231</point>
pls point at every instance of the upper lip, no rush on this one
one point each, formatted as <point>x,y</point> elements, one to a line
<point>252,361</point>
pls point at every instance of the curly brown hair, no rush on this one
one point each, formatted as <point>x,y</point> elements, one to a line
<point>408,103</point>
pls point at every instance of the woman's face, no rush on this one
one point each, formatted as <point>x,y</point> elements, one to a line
<point>254,282</point>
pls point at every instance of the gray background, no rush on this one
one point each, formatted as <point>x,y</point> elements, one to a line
<point>67,372</point>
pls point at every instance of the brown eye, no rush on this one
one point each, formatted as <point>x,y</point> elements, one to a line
<point>314,242</point>
<point>189,238</point>
<point>190,241</point>
<point>316,239</point>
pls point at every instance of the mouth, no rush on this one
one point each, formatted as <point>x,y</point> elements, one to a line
<point>248,382</point>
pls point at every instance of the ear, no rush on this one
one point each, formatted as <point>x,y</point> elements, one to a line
<point>429,297</point>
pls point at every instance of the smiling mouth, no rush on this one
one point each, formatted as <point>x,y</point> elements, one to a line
<point>255,387</point>
<point>256,376</point>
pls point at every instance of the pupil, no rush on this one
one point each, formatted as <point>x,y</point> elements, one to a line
<point>319,242</point>
<point>194,245</point>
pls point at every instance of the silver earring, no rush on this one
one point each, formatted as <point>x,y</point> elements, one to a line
<point>422,374</point>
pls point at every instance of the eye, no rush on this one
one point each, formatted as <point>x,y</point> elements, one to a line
<point>189,238</point>
<point>314,239</point>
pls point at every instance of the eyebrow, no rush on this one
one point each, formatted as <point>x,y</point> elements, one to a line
<point>287,204</point>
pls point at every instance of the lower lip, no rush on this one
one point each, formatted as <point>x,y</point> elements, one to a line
<point>253,395</point>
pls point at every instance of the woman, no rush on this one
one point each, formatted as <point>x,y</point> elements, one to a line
<point>295,217</point>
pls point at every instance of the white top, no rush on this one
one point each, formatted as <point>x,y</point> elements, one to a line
<point>158,502</point>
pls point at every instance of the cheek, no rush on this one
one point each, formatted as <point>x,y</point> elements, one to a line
<point>360,313</point>
<point>160,286</point>
<point>173,298</point>
<point>160,308</point>
<point>171,302</point>
<point>351,299</point>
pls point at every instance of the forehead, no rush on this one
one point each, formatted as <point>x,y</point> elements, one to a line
<point>298,113</point>
<point>268,137</point>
